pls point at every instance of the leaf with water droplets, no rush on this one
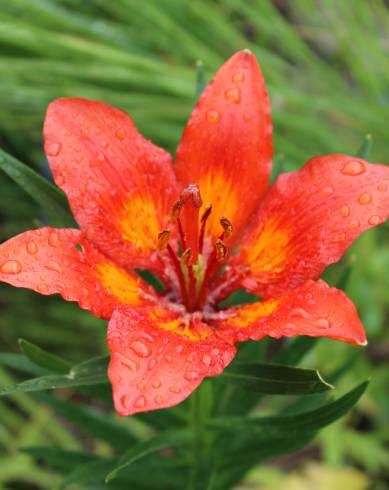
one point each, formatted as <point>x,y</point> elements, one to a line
<point>274,379</point>
<point>51,199</point>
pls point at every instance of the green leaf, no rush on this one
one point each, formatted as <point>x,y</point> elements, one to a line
<point>49,197</point>
<point>274,379</point>
<point>96,423</point>
<point>295,350</point>
<point>201,78</point>
<point>309,421</point>
<point>58,458</point>
<point>92,367</point>
<point>21,363</point>
<point>42,358</point>
<point>365,148</point>
<point>165,440</point>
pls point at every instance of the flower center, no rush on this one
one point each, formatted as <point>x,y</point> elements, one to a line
<point>194,267</point>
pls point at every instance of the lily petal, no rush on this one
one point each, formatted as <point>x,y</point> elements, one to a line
<point>119,185</point>
<point>52,261</point>
<point>308,220</point>
<point>313,309</point>
<point>226,147</point>
<point>157,359</point>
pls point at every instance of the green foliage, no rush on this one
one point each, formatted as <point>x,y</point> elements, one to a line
<point>328,77</point>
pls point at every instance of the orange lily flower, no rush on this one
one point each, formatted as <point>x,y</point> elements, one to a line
<point>184,222</point>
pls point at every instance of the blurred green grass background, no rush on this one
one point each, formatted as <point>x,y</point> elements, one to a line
<point>327,68</point>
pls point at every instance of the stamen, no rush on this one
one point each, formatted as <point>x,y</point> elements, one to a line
<point>187,257</point>
<point>163,240</point>
<point>204,219</point>
<point>227,227</point>
<point>221,250</point>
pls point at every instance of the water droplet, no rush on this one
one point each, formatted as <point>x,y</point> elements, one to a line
<point>125,401</point>
<point>120,134</point>
<point>354,223</point>
<point>213,117</point>
<point>238,77</point>
<point>175,389</point>
<point>140,386</point>
<point>129,364</point>
<point>207,359</point>
<point>96,162</point>
<point>140,402</point>
<point>32,248</point>
<point>299,313</point>
<point>152,364</point>
<point>382,187</point>
<point>354,167</point>
<point>327,191</point>
<point>53,239</point>
<point>11,267</point>
<point>52,149</point>
<point>168,358</point>
<point>345,211</point>
<point>104,144</point>
<point>191,375</point>
<point>322,323</point>
<point>140,348</point>
<point>375,220</point>
<point>233,95</point>
<point>53,266</point>
<point>42,288</point>
<point>156,383</point>
<point>179,349</point>
<point>364,198</point>
<point>158,400</point>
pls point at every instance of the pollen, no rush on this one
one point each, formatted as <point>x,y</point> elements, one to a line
<point>117,282</point>
<point>139,223</point>
<point>218,190</point>
<point>269,248</point>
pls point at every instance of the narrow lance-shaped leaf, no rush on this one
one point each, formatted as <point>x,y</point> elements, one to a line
<point>42,358</point>
<point>165,440</point>
<point>201,79</point>
<point>365,148</point>
<point>309,421</point>
<point>51,199</point>
<point>274,379</point>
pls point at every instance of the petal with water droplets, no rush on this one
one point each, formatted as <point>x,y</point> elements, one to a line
<point>302,226</point>
<point>172,358</point>
<point>53,261</point>
<point>313,309</point>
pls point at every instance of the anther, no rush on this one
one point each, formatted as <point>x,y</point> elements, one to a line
<point>203,219</point>
<point>227,227</point>
<point>192,192</point>
<point>163,239</point>
<point>221,250</point>
<point>187,257</point>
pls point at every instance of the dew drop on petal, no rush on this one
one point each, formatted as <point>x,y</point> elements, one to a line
<point>233,95</point>
<point>125,401</point>
<point>32,248</point>
<point>365,198</point>
<point>130,365</point>
<point>11,267</point>
<point>207,359</point>
<point>322,323</point>
<point>191,375</point>
<point>213,117</point>
<point>238,77</point>
<point>345,211</point>
<point>375,220</point>
<point>140,402</point>
<point>42,288</point>
<point>168,358</point>
<point>354,167</point>
<point>382,187</point>
<point>140,348</point>
<point>151,364</point>
<point>120,134</point>
<point>158,400</point>
<point>53,266</point>
<point>299,313</point>
<point>156,383</point>
<point>52,149</point>
<point>327,191</point>
<point>354,223</point>
<point>53,239</point>
<point>175,389</point>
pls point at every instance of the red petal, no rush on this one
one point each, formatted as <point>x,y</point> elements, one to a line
<point>227,147</point>
<point>120,186</point>
<point>313,309</point>
<point>157,359</point>
<point>53,261</point>
<point>309,218</point>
